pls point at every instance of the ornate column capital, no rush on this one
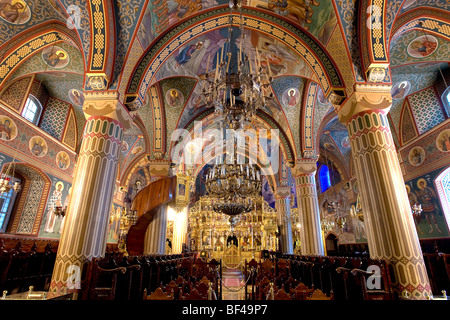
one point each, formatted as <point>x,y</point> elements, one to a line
<point>304,166</point>
<point>366,97</point>
<point>160,168</point>
<point>283,192</point>
<point>106,103</point>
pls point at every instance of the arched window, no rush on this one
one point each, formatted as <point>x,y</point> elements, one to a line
<point>324,178</point>
<point>6,204</point>
<point>443,187</point>
<point>446,101</point>
<point>32,110</point>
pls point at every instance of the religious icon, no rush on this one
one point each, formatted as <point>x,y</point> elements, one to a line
<point>443,141</point>
<point>76,97</point>
<point>345,142</point>
<point>321,97</point>
<point>62,160</point>
<point>55,57</point>
<point>291,97</point>
<point>427,198</point>
<point>181,190</point>
<point>416,156</point>
<point>174,97</point>
<point>400,90</point>
<point>186,54</point>
<point>422,46</point>
<point>8,129</point>
<point>55,201</point>
<point>15,11</point>
<point>38,146</point>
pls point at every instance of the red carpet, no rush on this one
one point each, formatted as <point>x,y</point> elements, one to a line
<point>232,277</point>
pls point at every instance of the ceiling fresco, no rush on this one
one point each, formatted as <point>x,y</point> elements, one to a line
<point>141,26</point>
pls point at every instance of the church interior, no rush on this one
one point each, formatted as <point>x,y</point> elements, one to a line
<point>224,150</point>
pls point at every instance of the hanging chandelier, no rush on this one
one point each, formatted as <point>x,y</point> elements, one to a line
<point>240,85</point>
<point>233,185</point>
<point>5,179</point>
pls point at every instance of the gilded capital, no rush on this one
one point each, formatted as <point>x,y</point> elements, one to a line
<point>366,97</point>
<point>106,103</point>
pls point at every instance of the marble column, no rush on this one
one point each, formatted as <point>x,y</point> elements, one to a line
<point>156,234</point>
<point>308,207</point>
<point>85,229</point>
<point>391,233</point>
<point>283,207</point>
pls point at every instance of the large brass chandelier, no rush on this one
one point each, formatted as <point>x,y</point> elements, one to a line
<point>240,85</point>
<point>232,186</point>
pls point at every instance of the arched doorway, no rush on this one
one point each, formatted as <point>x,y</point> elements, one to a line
<point>331,244</point>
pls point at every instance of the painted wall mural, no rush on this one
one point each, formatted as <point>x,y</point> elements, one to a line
<point>38,146</point>
<point>8,128</point>
<point>431,222</point>
<point>59,195</point>
<point>434,146</point>
<point>15,11</point>
<point>55,57</point>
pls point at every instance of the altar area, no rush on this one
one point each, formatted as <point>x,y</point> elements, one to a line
<point>232,239</point>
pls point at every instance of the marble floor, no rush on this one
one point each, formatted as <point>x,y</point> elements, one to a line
<point>233,284</point>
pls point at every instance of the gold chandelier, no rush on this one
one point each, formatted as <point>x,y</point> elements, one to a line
<point>5,179</point>
<point>237,91</point>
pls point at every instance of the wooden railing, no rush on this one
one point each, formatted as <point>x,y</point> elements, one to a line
<point>337,278</point>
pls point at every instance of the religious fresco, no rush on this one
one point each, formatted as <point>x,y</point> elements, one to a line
<point>62,160</point>
<point>400,90</point>
<point>59,195</point>
<point>416,156</point>
<point>267,192</point>
<point>431,222</point>
<point>114,224</point>
<point>422,46</point>
<point>8,128</point>
<point>318,17</point>
<point>56,5</point>
<point>77,97</point>
<point>38,146</point>
<point>431,143</point>
<point>443,141</point>
<point>160,15</point>
<point>414,47</point>
<point>200,187</point>
<point>55,57</point>
<point>15,11</point>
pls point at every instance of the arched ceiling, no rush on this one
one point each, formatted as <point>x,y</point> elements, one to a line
<point>314,48</point>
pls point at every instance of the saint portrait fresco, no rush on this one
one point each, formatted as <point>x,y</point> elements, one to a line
<point>291,97</point>
<point>400,90</point>
<point>62,160</point>
<point>8,129</point>
<point>416,156</point>
<point>174,97</point>
<point>77,97</point>
<point>38,146</point>
<point>443,141</point>
<point>422,46</point>
<point>15,11</point>
<point>55,57</point>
